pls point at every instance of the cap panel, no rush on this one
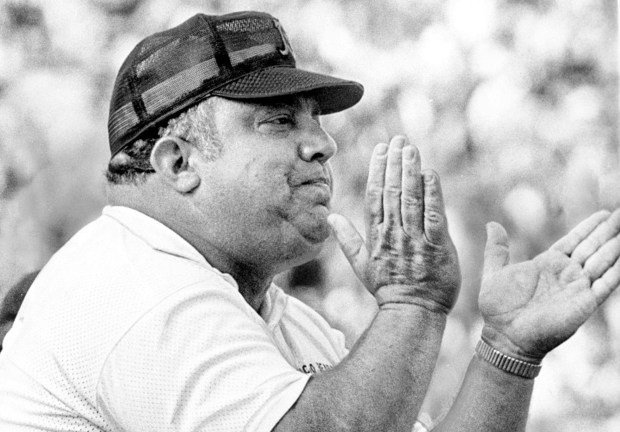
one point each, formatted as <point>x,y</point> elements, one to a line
<point>158,97</point>
<point>124,119</point>
<point>252,42</point>
<point>237,57</point>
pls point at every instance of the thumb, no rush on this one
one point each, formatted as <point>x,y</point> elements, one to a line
<point>496,252</point>
<point>351,243</point>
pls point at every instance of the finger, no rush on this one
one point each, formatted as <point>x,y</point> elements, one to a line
<point>496,252</point>
<point>393,182</point>
<point>412,199</point>
<point>570,241</point>
<point>435,225</point>
<point>351,243</point>
<point>605,285</point>
<point>374,190</point>
<point>603,259</point>
<point>605,231</point>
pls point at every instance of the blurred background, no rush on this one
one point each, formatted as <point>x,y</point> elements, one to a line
<point>513,102</point>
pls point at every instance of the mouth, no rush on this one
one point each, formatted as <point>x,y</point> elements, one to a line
<point>320,188</point>
<point>317,182</point>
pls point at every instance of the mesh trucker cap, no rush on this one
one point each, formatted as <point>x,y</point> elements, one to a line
<point>243,55</point>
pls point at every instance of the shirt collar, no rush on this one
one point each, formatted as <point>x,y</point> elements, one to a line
<point>273,306</point>
<point>159,236</point>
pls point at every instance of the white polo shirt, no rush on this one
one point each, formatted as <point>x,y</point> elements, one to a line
<point>128,328</point>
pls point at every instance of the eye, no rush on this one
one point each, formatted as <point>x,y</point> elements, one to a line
<point>281,120</point>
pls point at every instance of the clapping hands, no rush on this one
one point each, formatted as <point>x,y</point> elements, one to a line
<point>531,307</point>
<point>528,308</point>
<point>408,255</point>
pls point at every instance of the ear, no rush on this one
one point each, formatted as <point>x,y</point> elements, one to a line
<point>170,158</point>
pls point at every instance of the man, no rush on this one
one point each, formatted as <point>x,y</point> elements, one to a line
<point>162,315</point>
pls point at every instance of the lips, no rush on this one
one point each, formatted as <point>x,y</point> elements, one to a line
<point>317,181</point>
<point>314,177</point>
<point>319,187</point>
<point>321,183</point>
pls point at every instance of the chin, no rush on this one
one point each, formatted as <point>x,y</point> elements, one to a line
<point>304,239</point>
<point>317,234</point>
<point>305,249</point>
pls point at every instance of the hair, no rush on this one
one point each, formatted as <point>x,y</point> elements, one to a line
<point>132,165</point>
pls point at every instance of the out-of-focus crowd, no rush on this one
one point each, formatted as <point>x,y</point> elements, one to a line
<point>513,103</point>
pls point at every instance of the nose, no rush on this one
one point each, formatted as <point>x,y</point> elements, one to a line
<point>316,144</point>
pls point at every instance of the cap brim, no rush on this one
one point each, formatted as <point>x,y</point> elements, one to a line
<point>332,94</point>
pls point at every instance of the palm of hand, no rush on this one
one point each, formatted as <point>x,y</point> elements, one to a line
<point>532,307</point>
<point>539,303</point>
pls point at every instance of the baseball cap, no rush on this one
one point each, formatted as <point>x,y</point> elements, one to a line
<point>242,55</point>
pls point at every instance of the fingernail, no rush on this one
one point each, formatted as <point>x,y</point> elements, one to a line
<point>429,177</point>
<point>381,149</point>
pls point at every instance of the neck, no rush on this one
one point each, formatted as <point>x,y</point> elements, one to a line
<point>253,282</point>
<point>252,287</point>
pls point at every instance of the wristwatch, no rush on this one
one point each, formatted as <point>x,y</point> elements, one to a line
<point>506,363</point>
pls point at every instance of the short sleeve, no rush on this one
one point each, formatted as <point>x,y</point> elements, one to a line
<point>200,360</point>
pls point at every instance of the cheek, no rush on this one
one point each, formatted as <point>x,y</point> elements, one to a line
<point>263,190</point>
<point>267,177</point>
<point>266,191</point>
<point>260,170</point>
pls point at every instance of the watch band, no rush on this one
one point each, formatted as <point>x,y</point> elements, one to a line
<point>506,363</point>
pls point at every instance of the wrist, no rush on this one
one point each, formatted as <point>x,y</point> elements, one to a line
<point>405,315</point>
<point>504,344</point>
<point>403,294</point>
<point>507,363</point>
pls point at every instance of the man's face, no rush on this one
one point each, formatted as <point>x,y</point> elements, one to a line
<point>270,188</point>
